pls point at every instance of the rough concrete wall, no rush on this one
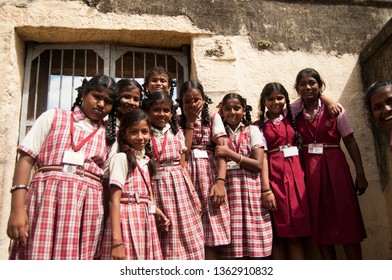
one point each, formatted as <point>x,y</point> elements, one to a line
<point>224,30</point>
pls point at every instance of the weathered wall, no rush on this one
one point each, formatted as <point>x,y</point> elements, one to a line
<point>324,36</point>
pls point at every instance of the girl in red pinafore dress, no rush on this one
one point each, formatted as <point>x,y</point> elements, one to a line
<point>251,230</point>
<point>202,132</point>
<point>131,231</point>
<point>288,200</point>
<point>335,213</point>
<point>172,187</point>
<point>59,214</point>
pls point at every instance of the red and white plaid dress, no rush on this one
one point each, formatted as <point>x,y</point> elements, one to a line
<point>203,171</point>
<point>173,194</point>
<point>251,229</point>
<point>65,210</point>
<point>138,228</point>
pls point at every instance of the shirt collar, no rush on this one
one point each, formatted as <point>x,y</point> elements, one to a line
<point>239,128</point>
<point>160,132</point>
<point>274,121</point>
<point>79,115</point>
<point>315,113</point>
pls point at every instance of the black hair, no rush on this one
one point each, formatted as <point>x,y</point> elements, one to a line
<point>159,70</point>
<point>130,118</point>
<point>247,119</point>
<point>311,73</point>
<point>101,83</point>
<point>265,93</point>
<point>124,84</point>
<point>157,98</point>
<point>205,115</point>
<point>372,89</point>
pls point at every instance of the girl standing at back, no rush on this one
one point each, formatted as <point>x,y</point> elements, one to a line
<point>59,214</point>
<point>172,186</point>
<point>288,200</point>
<point>159,80</point>
<point>335,214</point>
<point>251,230</point>
<point>378,100</point>
<point>130,92</point>
<point>131,231</point>
<point>202,132</point>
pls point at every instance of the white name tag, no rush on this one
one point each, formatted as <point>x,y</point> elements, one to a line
<point>152,209</point>
<point>160,175</point>
<point>231,165</point>
<point>71,157</point>
<point>200,153</point>
<point>290,151</point>
<point>315,148</point>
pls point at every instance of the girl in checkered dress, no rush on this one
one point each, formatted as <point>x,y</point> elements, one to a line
<point>172,186</point>
<point>251,231</point>
<point>59,214</point>
<point>202,132</point>
<point>131,232</point>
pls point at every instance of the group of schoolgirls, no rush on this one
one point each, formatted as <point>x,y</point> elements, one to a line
<point>189,187</point>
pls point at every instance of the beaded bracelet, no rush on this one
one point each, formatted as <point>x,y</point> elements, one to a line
<point>117,245</point>
<point>222,179</point>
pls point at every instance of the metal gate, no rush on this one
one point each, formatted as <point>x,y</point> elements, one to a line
<point>53,71</point>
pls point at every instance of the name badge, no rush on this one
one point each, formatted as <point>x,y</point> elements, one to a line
<point>74,158</point>
<point>160,175</point>
<point>200,153</point>
<point>290,151</point>
<point>315,148</point>
<point>231,165</point>
<point>152,209</point>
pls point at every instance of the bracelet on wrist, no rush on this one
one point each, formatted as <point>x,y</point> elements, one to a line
<point>18,187</point>
<point>116,245</point>
<point>240,160</point>
<point>265,194</point>
<point>266,190</point>
<point>220,179</point>
<point>189,128</point>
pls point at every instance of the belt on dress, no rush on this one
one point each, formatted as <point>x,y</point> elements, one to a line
<point>128,198</point>
<point>325,145</point>
<point>201,147</point>
<point>79,171</point>
<point>169,163</point>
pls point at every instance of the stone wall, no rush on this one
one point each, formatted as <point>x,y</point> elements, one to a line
<point>322,35</point>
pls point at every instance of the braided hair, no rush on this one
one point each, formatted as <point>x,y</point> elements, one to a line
<point>266,92</point>
<point>247,118</point>
<point>130,118</point>
<point>205,114</point>
<point>157,98</point>
<point>101,83</point>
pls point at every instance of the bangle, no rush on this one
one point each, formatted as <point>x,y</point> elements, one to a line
<point>266,190</point>
<point>222,179</point>
<point>267,193</point>
<point>117,245</point>
<point>239,162</point>
<point>18,187</point>
<point>189,128</point>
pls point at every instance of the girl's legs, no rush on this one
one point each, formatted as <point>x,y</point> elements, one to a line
<point>353,251</point>
<point>296,248</point>
<point>211,253</point>
<point>327,252</point>
<point>278,249</point>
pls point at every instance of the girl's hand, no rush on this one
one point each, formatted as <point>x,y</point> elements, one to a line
<point>334,109</point>
<point>163,223</point>
<point>118,253</point>
<point>269,202</point>
<point>191,112</point>
<point>218,193</point>
<point>18,226</point>
<point>361,184</point>
<point>197,201</point>
<point>222,150</point>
